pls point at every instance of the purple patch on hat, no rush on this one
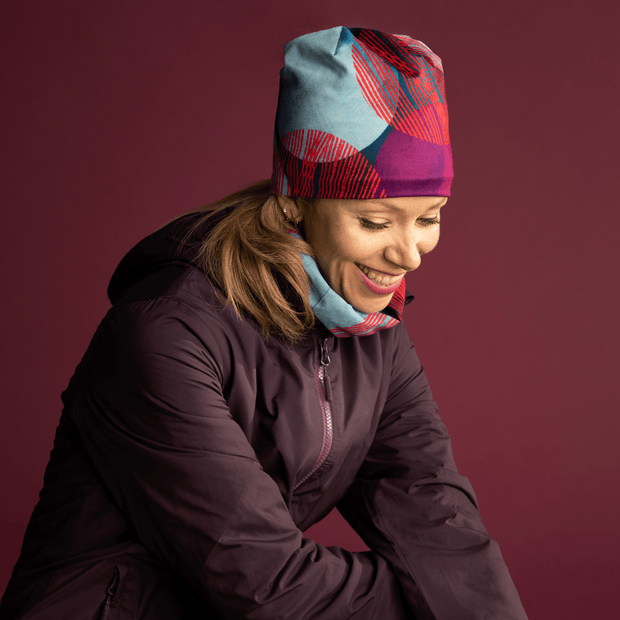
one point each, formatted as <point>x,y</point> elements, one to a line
<point>409,166</point>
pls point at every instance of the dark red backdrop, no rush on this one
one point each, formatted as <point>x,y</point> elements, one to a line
<point>116,116</point>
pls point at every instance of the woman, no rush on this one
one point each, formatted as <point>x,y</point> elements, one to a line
<point>254,372</point>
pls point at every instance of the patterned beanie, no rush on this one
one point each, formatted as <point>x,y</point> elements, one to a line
<point>361,114</point>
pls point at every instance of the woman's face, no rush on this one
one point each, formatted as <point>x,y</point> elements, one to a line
<point>364,247</point>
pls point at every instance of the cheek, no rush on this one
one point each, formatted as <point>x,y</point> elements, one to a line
<point>430,240</point>
<point>338,243</point>
<point>339,247</point>
<point>355,245</point>
<point>337,262</point>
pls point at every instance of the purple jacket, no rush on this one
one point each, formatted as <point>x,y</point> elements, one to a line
<point>190,456</point>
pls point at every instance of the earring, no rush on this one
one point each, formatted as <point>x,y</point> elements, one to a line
<point>293,221</point>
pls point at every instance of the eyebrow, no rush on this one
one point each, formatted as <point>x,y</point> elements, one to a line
<point>395,208</point>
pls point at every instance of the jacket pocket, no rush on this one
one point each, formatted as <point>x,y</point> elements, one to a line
<point>114,591</point>
<point>139,589</point>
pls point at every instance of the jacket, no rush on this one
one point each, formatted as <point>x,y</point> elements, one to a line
<point>191,454</point>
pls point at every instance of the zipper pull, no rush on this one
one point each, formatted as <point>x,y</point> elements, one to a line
<point>327,386</point>
<point>324,354</point>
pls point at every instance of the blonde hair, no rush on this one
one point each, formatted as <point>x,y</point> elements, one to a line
<point>246,250</point>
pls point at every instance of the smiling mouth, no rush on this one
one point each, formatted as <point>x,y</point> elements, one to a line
<point>378,277</point>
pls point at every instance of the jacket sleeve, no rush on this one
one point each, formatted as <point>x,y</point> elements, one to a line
<point>409,503</point>
<point>153,418</point>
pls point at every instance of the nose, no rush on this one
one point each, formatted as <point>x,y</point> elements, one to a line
<point>404,251</point>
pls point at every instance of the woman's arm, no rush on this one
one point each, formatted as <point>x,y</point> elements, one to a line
<point>153,418</point>
<point>409,503</point>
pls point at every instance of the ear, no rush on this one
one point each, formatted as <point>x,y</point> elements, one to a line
<point>294,210</point>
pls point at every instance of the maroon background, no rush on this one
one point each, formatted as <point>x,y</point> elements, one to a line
<point>117,116</point>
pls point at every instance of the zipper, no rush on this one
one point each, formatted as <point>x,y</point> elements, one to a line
<point>110,593</point>
<point>324,390</point>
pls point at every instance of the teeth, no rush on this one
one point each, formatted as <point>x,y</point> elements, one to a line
<point>379,278</point>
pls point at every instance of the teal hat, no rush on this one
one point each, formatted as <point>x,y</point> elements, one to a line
<point>361,114</point>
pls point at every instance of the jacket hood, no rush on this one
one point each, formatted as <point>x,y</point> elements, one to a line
<point>169,245</point>
<point>172,244</point>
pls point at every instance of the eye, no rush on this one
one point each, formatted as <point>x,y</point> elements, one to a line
<point>371,225</point>
<point>428,221</point>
